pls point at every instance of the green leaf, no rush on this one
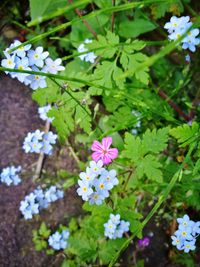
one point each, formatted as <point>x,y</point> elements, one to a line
<point>149,166</point>
<point>131,62</point>
<point>156,140</point>
<point>83,246</point>
<point>108,248</point>
<point>132,147</point>
<point>105,46</point>
<point>134,28</point>
<point>47,95</point>
<point>44,231</point>
<point>37,10</point>
<point>105,75</point>
<point>186,134</point>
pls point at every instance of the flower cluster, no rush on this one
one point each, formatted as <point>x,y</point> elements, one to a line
<point>185,237</point>
<point>102,151</point>
<point>115,228</point>
<point>96,182</point>
<point>88,57</point>
<point>177,27</point>
<point>39,142</point>
<point>25,58</point>
<point>59,240</point>
<point>39,199</point>
<point>43,111</point>
<point>9,175</point>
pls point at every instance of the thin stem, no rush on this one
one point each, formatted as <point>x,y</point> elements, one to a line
<point>127,180</point>
<point>163,95</point>
<point>88,26</point>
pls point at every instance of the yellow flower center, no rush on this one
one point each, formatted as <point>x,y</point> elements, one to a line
<point>37,77</point>
<point>21,68</point>
<point>84,188</point>
<point>36,56</point>
<point>102,186</point>
<point>10,62</point>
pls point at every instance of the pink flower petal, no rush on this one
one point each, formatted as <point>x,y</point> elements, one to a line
<point>112,153</point>
<point>96,156</point>
<point>106,159</point>
<point>96,146</point>
<point>106,142</point>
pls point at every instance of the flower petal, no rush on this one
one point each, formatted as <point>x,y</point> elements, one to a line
<point>112,153</point>
<point>96,156</point>
<point>96,146</point>
<point>106,159</point>
<point>106,142</point>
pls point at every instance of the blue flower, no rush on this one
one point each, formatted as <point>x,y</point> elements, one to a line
<point>87,176</point>
<point>20,52</point>
<point>53,66</point>
<point>177,27</point>
<point>58,240</point>
<point>9,175</point>
<point>84,190</point>
<point>189,245</point>
<point>185,237</point>
<point>176,241</point>
<point>43,111</point>
<point>110,177</point>
<point>102,186</point>
<point>39,199</point>
<point>29,206</point>
<point>88,57</point>
<point>53,194</point>
<point>96,167</point>
<point>115,228</point>
<point>185,221</point>
<point>96,198</point>
<point>39,142</point>
<point>36,81</point>
<point>37,57</point>
<point>9,62</point>
<point>176,23</point>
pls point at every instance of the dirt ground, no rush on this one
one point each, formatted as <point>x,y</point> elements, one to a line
<point>19,116</point>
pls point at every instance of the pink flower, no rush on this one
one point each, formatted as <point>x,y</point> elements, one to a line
<point>103,151</point>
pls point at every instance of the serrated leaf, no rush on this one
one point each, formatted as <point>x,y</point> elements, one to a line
<point>132,147</point>
<point>43,230</point>
<point>149,166</point>
<point>83,246</point>
<point>131,63</point>
<point>156,140</point>
<point>105,46</point>
<point>105,75</point>
<point>186,134</point>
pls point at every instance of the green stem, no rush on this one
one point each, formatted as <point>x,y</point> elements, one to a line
<point>162,198</point>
